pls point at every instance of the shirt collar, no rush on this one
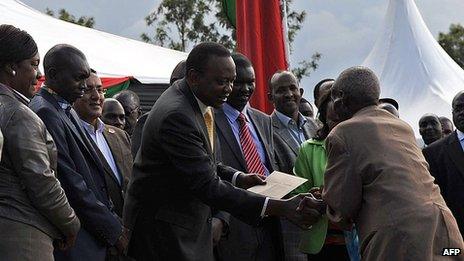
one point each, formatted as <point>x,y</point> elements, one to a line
<point>286,120</point>
<point>21,95</point>
<point>460,135</point>
<point>232,113</point>
<point>64,104</point>
<point>90,128</point>
<point>203,108</point>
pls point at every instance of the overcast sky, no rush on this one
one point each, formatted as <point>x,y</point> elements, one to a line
<point>344,31</point>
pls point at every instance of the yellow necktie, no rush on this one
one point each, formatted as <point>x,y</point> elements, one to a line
<point>208,116</point>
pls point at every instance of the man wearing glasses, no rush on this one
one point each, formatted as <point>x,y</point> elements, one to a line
<point>112,144</point>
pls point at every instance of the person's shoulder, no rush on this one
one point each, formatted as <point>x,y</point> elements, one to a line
<point>258,113</point>
<point>441,143</point>
<point>311,143</point>
<point>116,133</point>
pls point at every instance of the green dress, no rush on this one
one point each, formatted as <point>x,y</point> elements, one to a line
<point>310,164</point>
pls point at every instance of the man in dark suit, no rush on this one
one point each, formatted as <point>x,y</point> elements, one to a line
<point>446,161</point>
<point>291,129</point>
<point>176,179</point>
<point>80,170</point>
<point>136,137</point>
<point>112,144</point>
<point>234,121</point>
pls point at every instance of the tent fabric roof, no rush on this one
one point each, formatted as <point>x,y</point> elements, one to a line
<point>411,65</point>
<point>108,54</point>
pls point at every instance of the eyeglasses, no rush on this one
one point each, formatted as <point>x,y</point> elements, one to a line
<point>99,90</point>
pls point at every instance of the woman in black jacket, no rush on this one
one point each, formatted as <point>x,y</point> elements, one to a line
<point>34,210</point>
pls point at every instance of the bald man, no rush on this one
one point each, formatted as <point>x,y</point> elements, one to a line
<point>430,128</point>
<point>113,113</point>
<point>80,169</point>
<point>378,179</point>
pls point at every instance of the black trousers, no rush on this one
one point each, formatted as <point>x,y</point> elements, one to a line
<point>331,253</point>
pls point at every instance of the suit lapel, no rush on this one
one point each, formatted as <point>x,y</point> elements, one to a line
<point>91,147</point>
<point>107,169</point>
<point>223,126</point>
<point>77,131</point>
<point>200,122</point>
<point>260,127</point>
<point>116,151</point>
<point>456,153</point>
<point>282,131</point>
<point>306,131</point>
<point>62,114</point>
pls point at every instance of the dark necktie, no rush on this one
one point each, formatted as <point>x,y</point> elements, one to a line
<point>250,152</point>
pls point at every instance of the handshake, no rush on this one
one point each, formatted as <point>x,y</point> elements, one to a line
<point>303,210</point>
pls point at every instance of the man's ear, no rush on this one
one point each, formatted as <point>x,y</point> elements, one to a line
<point>270,97</point>
<point>51,74</point>
<point>301,92</point>
<point>193,77</point>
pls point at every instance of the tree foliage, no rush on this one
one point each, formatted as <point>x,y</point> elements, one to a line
<point>453,43</point>
<point>180,24</point>
<point>66,16</point>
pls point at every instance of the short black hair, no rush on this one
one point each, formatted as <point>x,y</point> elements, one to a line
<point>58,56</point>
<point>278,72</point>
<point>241,60</point>
<point>16,45</point>
<point>199,56</point>
<point>444,119</point>
<point>359,85</point>
<point>303,100</point>
<point>126,96</point>
<point>318,86</point>
<point>179,72</point>
<point>390,101</point>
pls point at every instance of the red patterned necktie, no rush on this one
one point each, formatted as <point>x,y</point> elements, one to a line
<point>252,159</point>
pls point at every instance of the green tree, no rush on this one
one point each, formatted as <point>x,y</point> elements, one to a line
<point>188,18</point>
<point>453,43</point>
<point>66,16</point>
<point>181,23</point>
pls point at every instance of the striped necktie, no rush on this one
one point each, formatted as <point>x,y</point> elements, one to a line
<point>208,117</point>
<point>250,152</point>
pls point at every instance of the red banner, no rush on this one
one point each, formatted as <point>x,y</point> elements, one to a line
<point>260,37</point>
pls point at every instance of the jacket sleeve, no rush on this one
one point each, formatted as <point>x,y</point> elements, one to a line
<point>342,184</point>
<point>196,169</point>
<point>95,216</point>
<point>1,144</point>
<point>431,155</point>
<point>29,140</point>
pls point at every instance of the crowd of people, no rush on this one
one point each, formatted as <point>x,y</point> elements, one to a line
<point>84,177</point>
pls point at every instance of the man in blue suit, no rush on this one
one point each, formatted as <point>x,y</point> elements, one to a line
<point>79,169</point>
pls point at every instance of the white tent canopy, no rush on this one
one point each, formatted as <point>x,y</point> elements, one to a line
<point>412,67</point>
<point>110,55</point>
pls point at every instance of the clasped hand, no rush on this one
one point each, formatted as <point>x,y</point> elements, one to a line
<point>304,210</point>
